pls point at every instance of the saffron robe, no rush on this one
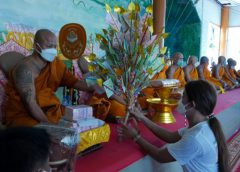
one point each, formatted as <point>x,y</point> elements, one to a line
<point>208,77</point>
<point>149,92</point>
<point>55,74</point>
<point>194,74</point>
<point>223,75</point>
<point>179,75</point>
<point>232,73</point>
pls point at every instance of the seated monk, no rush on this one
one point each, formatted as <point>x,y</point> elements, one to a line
<point>190,70</point>
<point>231,69</point>
<point>175,71</point>
<point>32,84</point>
<point>103,107</point>
<point>222,74</point>
<point>205,74</point>
<point>149,92</point>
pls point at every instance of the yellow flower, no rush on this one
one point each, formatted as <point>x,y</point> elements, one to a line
<point>137,7</point>
<point>149,9</point>
<point>119,10</point>
<point>131,7</point>
<point>150,71</point>
<point>150,21</point>
<point>151,29</point>
<point>91,68</point>
<point>91,57</point>
<point>108,8</point>
<point>104,71</point>
<point>163,50</point>
<point>164,35</point>
<point>98,37</point>
<point>100,82</point>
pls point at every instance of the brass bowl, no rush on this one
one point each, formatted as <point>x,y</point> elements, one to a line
<point>163,109</point>
<point>164,92</point>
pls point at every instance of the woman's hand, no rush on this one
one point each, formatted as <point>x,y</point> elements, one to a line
<point>137,112</point>
<point>128,131</point>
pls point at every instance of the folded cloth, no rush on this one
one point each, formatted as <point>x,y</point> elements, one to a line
<point>164,82</point>
<point>88,124</point>
<point>79,112</point>
<point>82,125</point>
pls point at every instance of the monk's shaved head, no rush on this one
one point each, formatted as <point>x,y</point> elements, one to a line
<point>45,38</point>
<point>192,60</point>
<point>41,34</point>
<point>230,61</point>
<point>221,60</point>
<point>204,60</point>
<point>177,56</point>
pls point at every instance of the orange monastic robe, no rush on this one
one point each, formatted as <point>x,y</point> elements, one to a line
<point>208,77</point>
<point>179,74</point>
<point>194,74</point>
<point>149,92</point>
<point>55,74</point>
<point>103,106</point>
<point>232,73</point>
<point>225,78</point>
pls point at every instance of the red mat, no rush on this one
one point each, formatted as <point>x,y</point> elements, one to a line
<point>115,156</point>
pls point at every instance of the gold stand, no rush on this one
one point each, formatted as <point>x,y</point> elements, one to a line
<point>163,105</point>
<point>163,110</point>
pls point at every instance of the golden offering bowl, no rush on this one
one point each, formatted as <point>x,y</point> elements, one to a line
<point>164,92</point>
<point>163,109</point>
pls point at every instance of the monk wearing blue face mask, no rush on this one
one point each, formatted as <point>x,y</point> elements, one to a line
<point>33,82</point>
<point>190,70</point>
<point>175,71</point>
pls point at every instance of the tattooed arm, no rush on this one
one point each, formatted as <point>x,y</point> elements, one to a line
<point>24,82</point>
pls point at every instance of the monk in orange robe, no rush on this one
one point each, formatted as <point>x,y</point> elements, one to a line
<point>231,69</point>
<point>33,82</point>
<point>222,74</point>
<point>175,71</point>
<point>190,70</point>
<point>205,74</point>
<point>149,92</point>
<point>103,107</point>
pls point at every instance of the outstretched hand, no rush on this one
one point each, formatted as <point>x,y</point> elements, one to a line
<point>136,112</point>
<point>127,130</point>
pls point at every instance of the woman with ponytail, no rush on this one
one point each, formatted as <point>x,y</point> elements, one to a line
<point>199,147</point>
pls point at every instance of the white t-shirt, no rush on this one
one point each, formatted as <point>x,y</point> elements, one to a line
<point>197,149</point>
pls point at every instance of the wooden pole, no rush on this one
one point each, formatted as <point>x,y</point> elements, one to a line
<point>159,13</point>
<point>224,29</point>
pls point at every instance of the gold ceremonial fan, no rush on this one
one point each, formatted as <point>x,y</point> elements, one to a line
<point>72,40</point>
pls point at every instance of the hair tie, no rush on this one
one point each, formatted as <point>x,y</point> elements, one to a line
<point>211,116</point>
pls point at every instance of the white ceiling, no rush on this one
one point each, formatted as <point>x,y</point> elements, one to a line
<point>229,2</point>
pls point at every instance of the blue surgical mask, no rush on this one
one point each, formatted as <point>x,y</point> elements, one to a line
<point>184,108</point>
<point>48,54</point>
<point>180,63</point>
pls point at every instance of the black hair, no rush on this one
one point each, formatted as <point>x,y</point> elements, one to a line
<point>204,95</point>
<point>23,148</point>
